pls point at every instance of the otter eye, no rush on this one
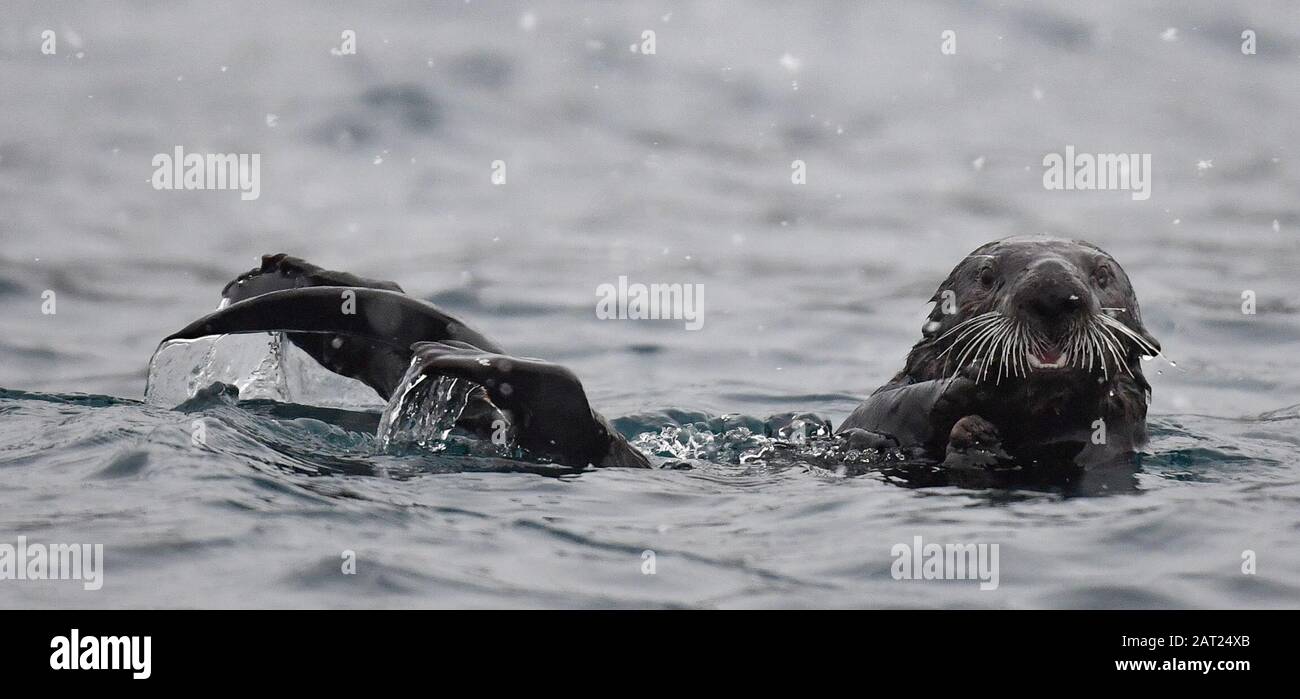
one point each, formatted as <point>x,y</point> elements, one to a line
<point>1102,276</point>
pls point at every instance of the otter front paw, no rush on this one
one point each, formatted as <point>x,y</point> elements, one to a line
<point>973,431</point>
<point>974,441</point>
<point>857,439</point>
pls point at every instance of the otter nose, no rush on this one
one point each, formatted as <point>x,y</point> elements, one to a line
<point>1056,299</point>
<point>1054,291</point>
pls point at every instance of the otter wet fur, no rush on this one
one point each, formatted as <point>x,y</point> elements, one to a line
<point>1033,350</point>
<point>1032,354</point>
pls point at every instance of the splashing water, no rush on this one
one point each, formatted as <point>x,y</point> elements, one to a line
<point>422,411</point>
<point>255,364</point>
<point>261,366</point>
<point>776,442</point>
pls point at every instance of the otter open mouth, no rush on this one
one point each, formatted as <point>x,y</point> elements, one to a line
<point>1047,359</point>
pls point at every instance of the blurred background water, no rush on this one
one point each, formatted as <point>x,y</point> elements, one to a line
<point>672,168</point>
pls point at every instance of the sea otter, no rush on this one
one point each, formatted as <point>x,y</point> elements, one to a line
<point>1033,347</point>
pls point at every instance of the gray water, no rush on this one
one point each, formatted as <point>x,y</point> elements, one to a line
<point>672,168</point>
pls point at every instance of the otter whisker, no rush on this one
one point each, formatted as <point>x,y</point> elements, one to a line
<point>1015,350</point>
<point>1036,343</point>
<point>969,332</point>
<point>1006,348</point>
<point>993,349</point>
<point>959,341</point>
<point>1097,351</point>
<point>1146,347</point>
<point>1022,350</point>
<point>972,335</point>
<point>1013,357</point>
<point>1108,349</point>
<point>981,318</point>
<point>1095,354</point>
<point>1009,351</point>
<point>1101,358</point>
<point>1000,351</point>
<point>1121,367</point>
<point>1142,343</point>
<point>1075,348</point>
<point>1113,346</point>
<point>973,346</point>
<point>1079,351</point>
<point>1088,344</point>
<point>1080,355</point>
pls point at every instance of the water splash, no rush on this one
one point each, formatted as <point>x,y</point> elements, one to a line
<point>252,363</point>
<point>267,379</point>
<point>804,440</point>
<point>261,365</point>
<point>422,411</point>
<point>697,441</point>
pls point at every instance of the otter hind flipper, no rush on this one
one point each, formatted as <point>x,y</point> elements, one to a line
<point>545,402</point>
<point>361,333</point>
<point>281,271</point>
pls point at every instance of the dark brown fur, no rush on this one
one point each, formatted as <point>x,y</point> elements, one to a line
<point>1050,286</point>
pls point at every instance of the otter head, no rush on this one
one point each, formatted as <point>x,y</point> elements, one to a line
<point>1034,308</point>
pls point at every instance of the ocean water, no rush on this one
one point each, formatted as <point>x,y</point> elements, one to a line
<point>671,167</point>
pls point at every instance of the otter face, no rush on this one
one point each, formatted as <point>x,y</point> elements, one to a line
<point>1031,306</point>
